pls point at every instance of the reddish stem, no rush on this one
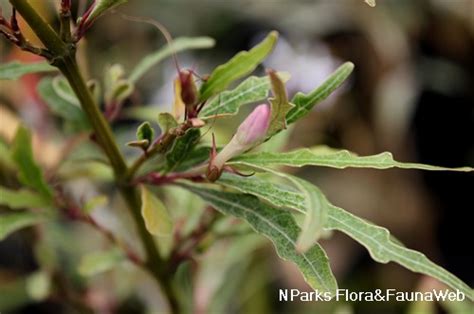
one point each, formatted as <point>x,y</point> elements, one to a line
<point>76,213</point>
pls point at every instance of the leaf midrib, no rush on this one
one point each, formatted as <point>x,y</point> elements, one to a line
<point>321,280</point>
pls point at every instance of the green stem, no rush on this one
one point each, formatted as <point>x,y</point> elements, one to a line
<point>102,129</point>
<point>65,25</point>
<point>64,59</point>
<point>42,29</point>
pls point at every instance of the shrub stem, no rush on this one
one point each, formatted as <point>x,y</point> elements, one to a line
<point>63,57</point>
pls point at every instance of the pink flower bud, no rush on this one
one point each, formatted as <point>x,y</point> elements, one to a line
<point>254,128</point>
<point>250,133</point>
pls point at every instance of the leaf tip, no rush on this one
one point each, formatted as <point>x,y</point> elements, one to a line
<point>349,66</point>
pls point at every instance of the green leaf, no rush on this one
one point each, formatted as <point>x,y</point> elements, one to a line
<point>14,70</point>
<point>313,200</point>
<point>249,91</point>
<point>383,249</point>
<point>22,199</point>
<point>316,214</point>
<point>157,219</point>
<point>334,158</point>
<point>60,106</point>
<point>304,103</point>
<point>99,262</point>
<point>182,146</point>
<point>280,105</point>
<point>279,226</point>
<point>194,158</point>
<point>178,44</point>
<point>101,6</point>
<point>62,88</point>
<point>376,239</point>
<point>166,122</point>
<point>29,173</point>
<point>145,132</point>
<point>12,222</point>
<point>239,66</point>
<point>281,196</point>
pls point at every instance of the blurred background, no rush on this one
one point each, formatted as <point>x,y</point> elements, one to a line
<point>412,93</point>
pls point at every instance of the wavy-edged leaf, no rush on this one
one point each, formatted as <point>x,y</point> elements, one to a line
<point>29,173</point>
<point>334,158</point>
<point>157,219</point>
<point>240,65</point>
<point>249,91</point>
<point>101,261</point>
<point>310,197</point>
<point>279,195</point>
<point>60,106</point>
<point>182,146</point>
<point>279,226</point>
<point>304,103</point>
<point>22,198</point>
<point>15,69</point>
<point>280,104</point>
<point>12,222</point>
<point>178,44</point>
<point>383,249</point>
<point>376,239</point>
